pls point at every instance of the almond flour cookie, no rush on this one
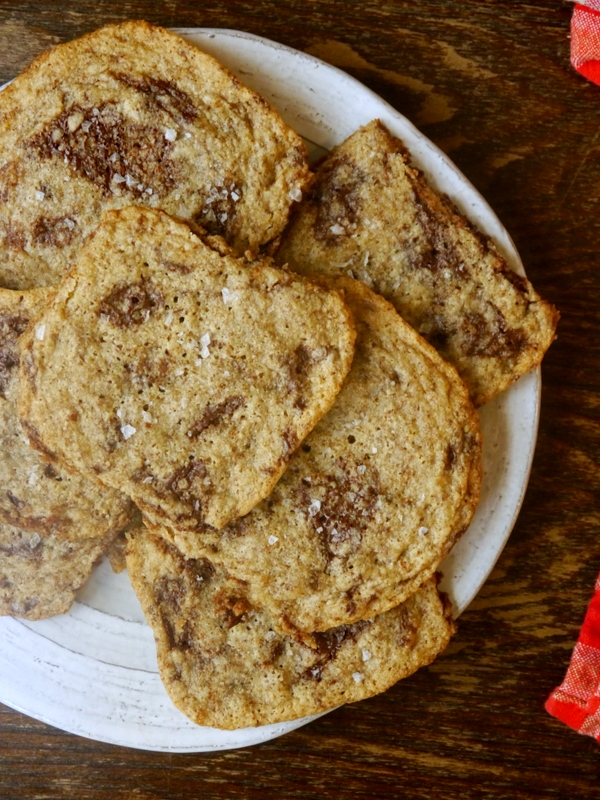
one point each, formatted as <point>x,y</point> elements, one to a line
<point>178,373</point>
<point>133,114</point>
<point>36,495</point>
<point>376,495</point>
<point>40,573</point>
<point>375,217</point>
<point>224,665</point>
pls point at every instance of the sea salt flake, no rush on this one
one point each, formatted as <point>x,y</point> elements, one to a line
<point>366,654</point>
<point>130,181</point>
<point>226,374</point>
<point>373,449</point>
<point>272,539</point>
<point>361,469</point>
<point>114,157</point>
<point>40,331</point>
<point>337,229</point>
<point>235,196</point>
<point>127,431</point>
<point>148,479</point>
<point>170,134</point>
<point>119,413</point>
<point>147,417</point>
<point>187,135</point>
<point>314,508</point>
<point>118,178</point>
<point>358,677</point>
<point>228,295</point>
<point>204,342</point>
<point>148,190</point>
<point>270,635</point>
<point>295,194</point>
<point>40,196</point>
<point>34,541</point>
<point>423,531</point>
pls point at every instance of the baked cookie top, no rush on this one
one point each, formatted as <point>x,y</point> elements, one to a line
<point>375,496</point>
<point>178,373</point>
<point>373,216</point>
<point>36,495</point>
<point>224,665</point>
<point>40,573</point>
<point>134,114</point>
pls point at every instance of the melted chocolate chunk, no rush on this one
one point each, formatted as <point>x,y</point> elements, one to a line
<point>219,209</point>
<point>492,340</point>
<point>339,508</point>
<point>182,485</point>
<point>109,150</point>
<point>11,327</point>
<point>337,199</point>
<point>131,304</point>
<point>54,231</point>
<point>329,644</point>
<point>214,414</point>
<point>439,253</point>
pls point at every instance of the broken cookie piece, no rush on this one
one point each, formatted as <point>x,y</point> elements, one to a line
<point>40,573</point>
<point>37,495</point>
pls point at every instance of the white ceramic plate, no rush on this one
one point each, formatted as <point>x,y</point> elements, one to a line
<point>93,671</point>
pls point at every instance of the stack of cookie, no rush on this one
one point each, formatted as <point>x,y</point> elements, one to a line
<point>290,458</point>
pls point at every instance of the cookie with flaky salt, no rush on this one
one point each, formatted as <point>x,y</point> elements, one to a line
<point>224,665</point>
<point>135,114</point>
<point>371,214</point>
<point>376,495</point>
<point>178,373</point>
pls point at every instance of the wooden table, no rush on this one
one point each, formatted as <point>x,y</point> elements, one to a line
<point>490,83</point>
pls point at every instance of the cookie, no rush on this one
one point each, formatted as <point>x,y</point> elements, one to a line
<point>224,665</point>
<point>133,114</point>
<point>375,217</point>
<point>36,495</point>
<point>40,573</point>
<point>376,495</point>
<point>179,374</point>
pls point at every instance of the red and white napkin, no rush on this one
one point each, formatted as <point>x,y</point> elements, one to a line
<point>577,700</point>
<point>585,39</point>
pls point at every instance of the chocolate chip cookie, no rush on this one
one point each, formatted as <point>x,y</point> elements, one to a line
<point>375,217</point>
<point>175,372</point>
<point>224,665</point>
<point>133,114</point>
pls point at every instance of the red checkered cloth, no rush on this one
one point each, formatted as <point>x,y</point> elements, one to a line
<point>577,700</point>
<point>585,39</point>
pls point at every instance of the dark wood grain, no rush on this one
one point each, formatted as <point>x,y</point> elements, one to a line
<point>490,82</point>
